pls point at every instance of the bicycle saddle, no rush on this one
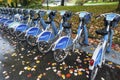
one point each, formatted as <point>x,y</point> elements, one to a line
<point>25,12</point>
<point>35,19</point>
<point>52,15</point>
<point>102,32</point>
<point>41,14</point>
<point>48,22</point>
<point>32,12</point>
<point>68,14</point>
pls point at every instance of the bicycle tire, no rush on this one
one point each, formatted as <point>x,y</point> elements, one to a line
<point>20,35</point>
<point>44,47</point>
<point>31,40</point>
<point>93,73</point>
<point>11,31</point>
<point>58,55</point>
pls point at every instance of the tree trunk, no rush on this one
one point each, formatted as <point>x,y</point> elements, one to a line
<point>118,8</point>
<point>103,0</point>
<point>25,3</point>
<point>62,2</point>
<point>16,3</point>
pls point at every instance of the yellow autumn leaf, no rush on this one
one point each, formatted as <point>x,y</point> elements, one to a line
<point>80,73</point>
<point>37,61</point>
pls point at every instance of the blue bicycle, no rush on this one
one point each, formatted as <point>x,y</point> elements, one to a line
<point>110,20</point>
<point>64,45</point>
<point>9,23</point>
<point>8,19</point>
<point>33,32</point>
<point>27,22</point>
<point>48,37</point>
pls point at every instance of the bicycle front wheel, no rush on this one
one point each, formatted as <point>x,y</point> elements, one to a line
<point>60,55</point>
<point>93,73</point>
<point>44,47</point>
<point>31,40</point>
<point>20,35</point>
<point>11,30</point>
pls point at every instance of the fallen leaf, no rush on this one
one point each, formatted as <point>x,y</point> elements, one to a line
<point>80,73</point>
<point>102,78</point>
<point>7,77</point>
<point>4,72</point>
<point>29,75</point>
<point>14,54</point>
<point>63,76</point>
<point>53,64</point>
<point>68,75</point>
<point>37,61</point>
<point>75,74</point>
<point>40,76</point>
<point>20,73</point>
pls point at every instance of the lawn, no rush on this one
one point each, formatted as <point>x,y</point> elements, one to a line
<point>102,3</point>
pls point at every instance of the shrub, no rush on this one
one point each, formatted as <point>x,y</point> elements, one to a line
<point>80,2</point>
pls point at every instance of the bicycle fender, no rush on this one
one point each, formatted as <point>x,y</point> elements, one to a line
<point>45,36</point>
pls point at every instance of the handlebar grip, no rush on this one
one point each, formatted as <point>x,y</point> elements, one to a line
<point>91,13</point>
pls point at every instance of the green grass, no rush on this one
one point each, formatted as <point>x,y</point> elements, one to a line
<point>94,9</point>
<point>102,3</point>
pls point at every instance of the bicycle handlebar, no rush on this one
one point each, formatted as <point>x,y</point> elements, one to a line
<point>83,11</point>
<point>104,15</point>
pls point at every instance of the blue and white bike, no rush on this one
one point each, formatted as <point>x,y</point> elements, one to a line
<point>33,32</point>
<point>26,23</point>
<point>10,22</point>
<point>110,20</point>
<point>48,37</point>
<point>64,45</point>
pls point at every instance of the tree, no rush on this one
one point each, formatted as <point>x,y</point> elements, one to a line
<point>104,0</point>
<point>24,2</point>
<point>62,2</point>
<point>4,2</point>
<point>16,3</point>
<point>118,8</point>
<point>80,2</point>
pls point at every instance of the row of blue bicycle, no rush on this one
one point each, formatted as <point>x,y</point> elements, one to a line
<point>47,35</point>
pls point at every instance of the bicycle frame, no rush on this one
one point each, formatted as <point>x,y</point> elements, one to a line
<point>35,31</point>
<point>66,43</point>
<point>98,57</point>
<point>79,34</point>
<point>49,35</point>
<point>72,42</point>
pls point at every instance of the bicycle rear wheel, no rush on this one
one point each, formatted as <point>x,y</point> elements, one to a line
<point>60,55</point>
<point>20,35</point>
<point>31,40</point>
<point>6,29</point>
<point>11,30</point>
<point>93,73</point>
<point>44,47</point>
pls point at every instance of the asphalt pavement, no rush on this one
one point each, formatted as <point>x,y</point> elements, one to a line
<point>22,62</point>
